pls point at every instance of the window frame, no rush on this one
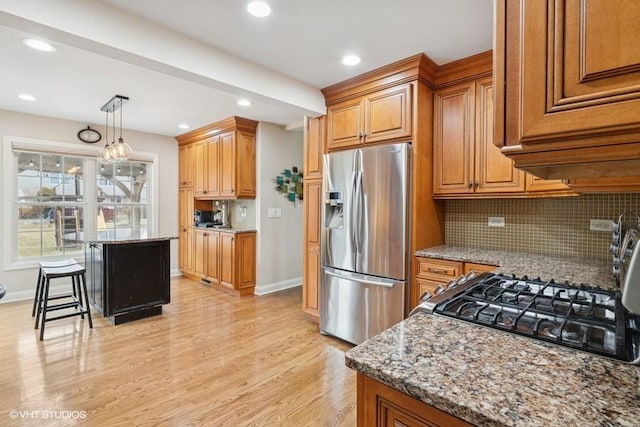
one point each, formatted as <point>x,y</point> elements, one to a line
<point>9,212</point>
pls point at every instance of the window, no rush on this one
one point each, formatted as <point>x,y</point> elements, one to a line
<point>49,211</point>
<point>122,199</point>
<point>61,193</point>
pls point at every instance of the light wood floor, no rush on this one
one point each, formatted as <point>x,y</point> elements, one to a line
<point>209,360</point>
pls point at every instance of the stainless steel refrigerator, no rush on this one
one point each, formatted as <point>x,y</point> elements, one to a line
<point>365,240</point>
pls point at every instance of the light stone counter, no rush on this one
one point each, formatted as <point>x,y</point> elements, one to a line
<point>493,378</point>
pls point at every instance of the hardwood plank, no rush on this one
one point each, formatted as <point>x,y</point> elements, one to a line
<point>210,359</point>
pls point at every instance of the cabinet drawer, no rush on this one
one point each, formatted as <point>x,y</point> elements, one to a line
<point>438,270</point>
<point>478,268</point>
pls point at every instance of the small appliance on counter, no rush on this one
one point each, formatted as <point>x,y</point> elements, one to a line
<point>221,216</point>
<point>204,218</point>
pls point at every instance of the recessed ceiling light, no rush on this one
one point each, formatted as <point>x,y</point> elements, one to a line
<point>351,60</point>
<point>39,45</point>
<point>244,102</point>
<point>183,126</point>
<point>259,9</point>
<point>26,97</point>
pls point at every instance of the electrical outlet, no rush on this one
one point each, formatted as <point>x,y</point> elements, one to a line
<point>496,221</point>
<point>601,225</point>
<point>243,210</point>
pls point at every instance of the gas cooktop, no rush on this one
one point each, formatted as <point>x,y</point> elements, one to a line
<point>587,319</point>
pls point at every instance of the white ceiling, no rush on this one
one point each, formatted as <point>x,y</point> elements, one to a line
<point>190,63</point>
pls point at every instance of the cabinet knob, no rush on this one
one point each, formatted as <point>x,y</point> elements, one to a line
<point>470,184</point>
<point>476,184</point>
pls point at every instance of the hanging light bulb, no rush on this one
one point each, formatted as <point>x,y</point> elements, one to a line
<point>116,151</point>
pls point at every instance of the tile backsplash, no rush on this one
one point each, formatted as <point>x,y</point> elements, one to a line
<point>551,226</point>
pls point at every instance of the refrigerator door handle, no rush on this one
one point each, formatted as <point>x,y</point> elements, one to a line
<point>383,283</point>
<point>359,196</point>
<point>354,207</point>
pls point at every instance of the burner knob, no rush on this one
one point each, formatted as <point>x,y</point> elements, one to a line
<point>616,272</point>
<point>440,289</point>
<point>426,296</point>
<point>472,274</point>
<point>616,261</point>
<point>616,226</point>
<point>614,248</point>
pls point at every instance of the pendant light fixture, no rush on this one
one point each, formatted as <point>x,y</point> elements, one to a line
<point>115,151</point>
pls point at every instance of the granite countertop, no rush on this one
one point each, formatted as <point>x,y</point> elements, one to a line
<point>232,230</point>
<point>493,378</point>
<point>121,236</point>
<point>593,272</point>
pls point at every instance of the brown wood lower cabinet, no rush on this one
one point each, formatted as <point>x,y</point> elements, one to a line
<point>224,259</point>
<point>433,272</point>
<point>382,406</point>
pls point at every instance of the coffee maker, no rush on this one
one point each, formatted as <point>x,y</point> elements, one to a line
<point>221,216</point>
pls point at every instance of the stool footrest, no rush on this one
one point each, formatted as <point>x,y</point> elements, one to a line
<point>65,305</point>
<point>64,316</point>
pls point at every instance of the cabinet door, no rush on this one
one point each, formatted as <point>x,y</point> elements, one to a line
<point>388,114</point>
<point>344,124</point>
<point>212,256</point>
<point>380,405</point>
<point>227,165</point>
<point>572,74</point>
<point>212,174</point>
<point>311,262</point>
<point>186,251</point>
<point>200,170</point>
<point>185,221</point>
<point>495,172</point>
<point>314,135</point>
<point>245,258</point>
<point>452,140</point>
<point>245,165</point>
<point>186,165</point>
<point>536,185</point>
<point>227,260</point>
<point>199,247</point>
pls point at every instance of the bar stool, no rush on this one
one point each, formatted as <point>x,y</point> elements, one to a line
<point>37,299</point>
<point>77,274</point>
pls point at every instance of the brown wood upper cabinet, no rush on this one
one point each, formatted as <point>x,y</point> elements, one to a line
<point>568,101</point>
<point>379,116</point>
<point>466,161</point>
<point>224,162</point>
<point>186,165</point>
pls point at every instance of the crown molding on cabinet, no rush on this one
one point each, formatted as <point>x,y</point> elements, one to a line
<point>228,124</point>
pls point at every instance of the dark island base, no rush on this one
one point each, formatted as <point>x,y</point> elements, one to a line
<point>128,280</point>
<point>135,315</point>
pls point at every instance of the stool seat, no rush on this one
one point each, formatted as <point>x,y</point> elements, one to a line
<point>65,271</point>
<point>79,286</point>
<point>47,264</point>
<point>3,290</point>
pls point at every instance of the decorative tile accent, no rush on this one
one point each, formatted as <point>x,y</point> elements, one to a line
<point>550,226</point>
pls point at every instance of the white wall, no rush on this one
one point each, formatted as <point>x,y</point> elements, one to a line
<point>279,257</point>
<point>21,283</point>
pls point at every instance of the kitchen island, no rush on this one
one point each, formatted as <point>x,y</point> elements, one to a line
<point>127,275</point>
<point>488,377</point>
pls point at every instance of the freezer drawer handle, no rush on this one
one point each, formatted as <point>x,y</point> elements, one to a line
<point>365,281</point>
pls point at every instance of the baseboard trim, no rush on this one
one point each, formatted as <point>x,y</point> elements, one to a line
<point>175,272</point>
<point>270,288</point>
<point>28,294</point>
